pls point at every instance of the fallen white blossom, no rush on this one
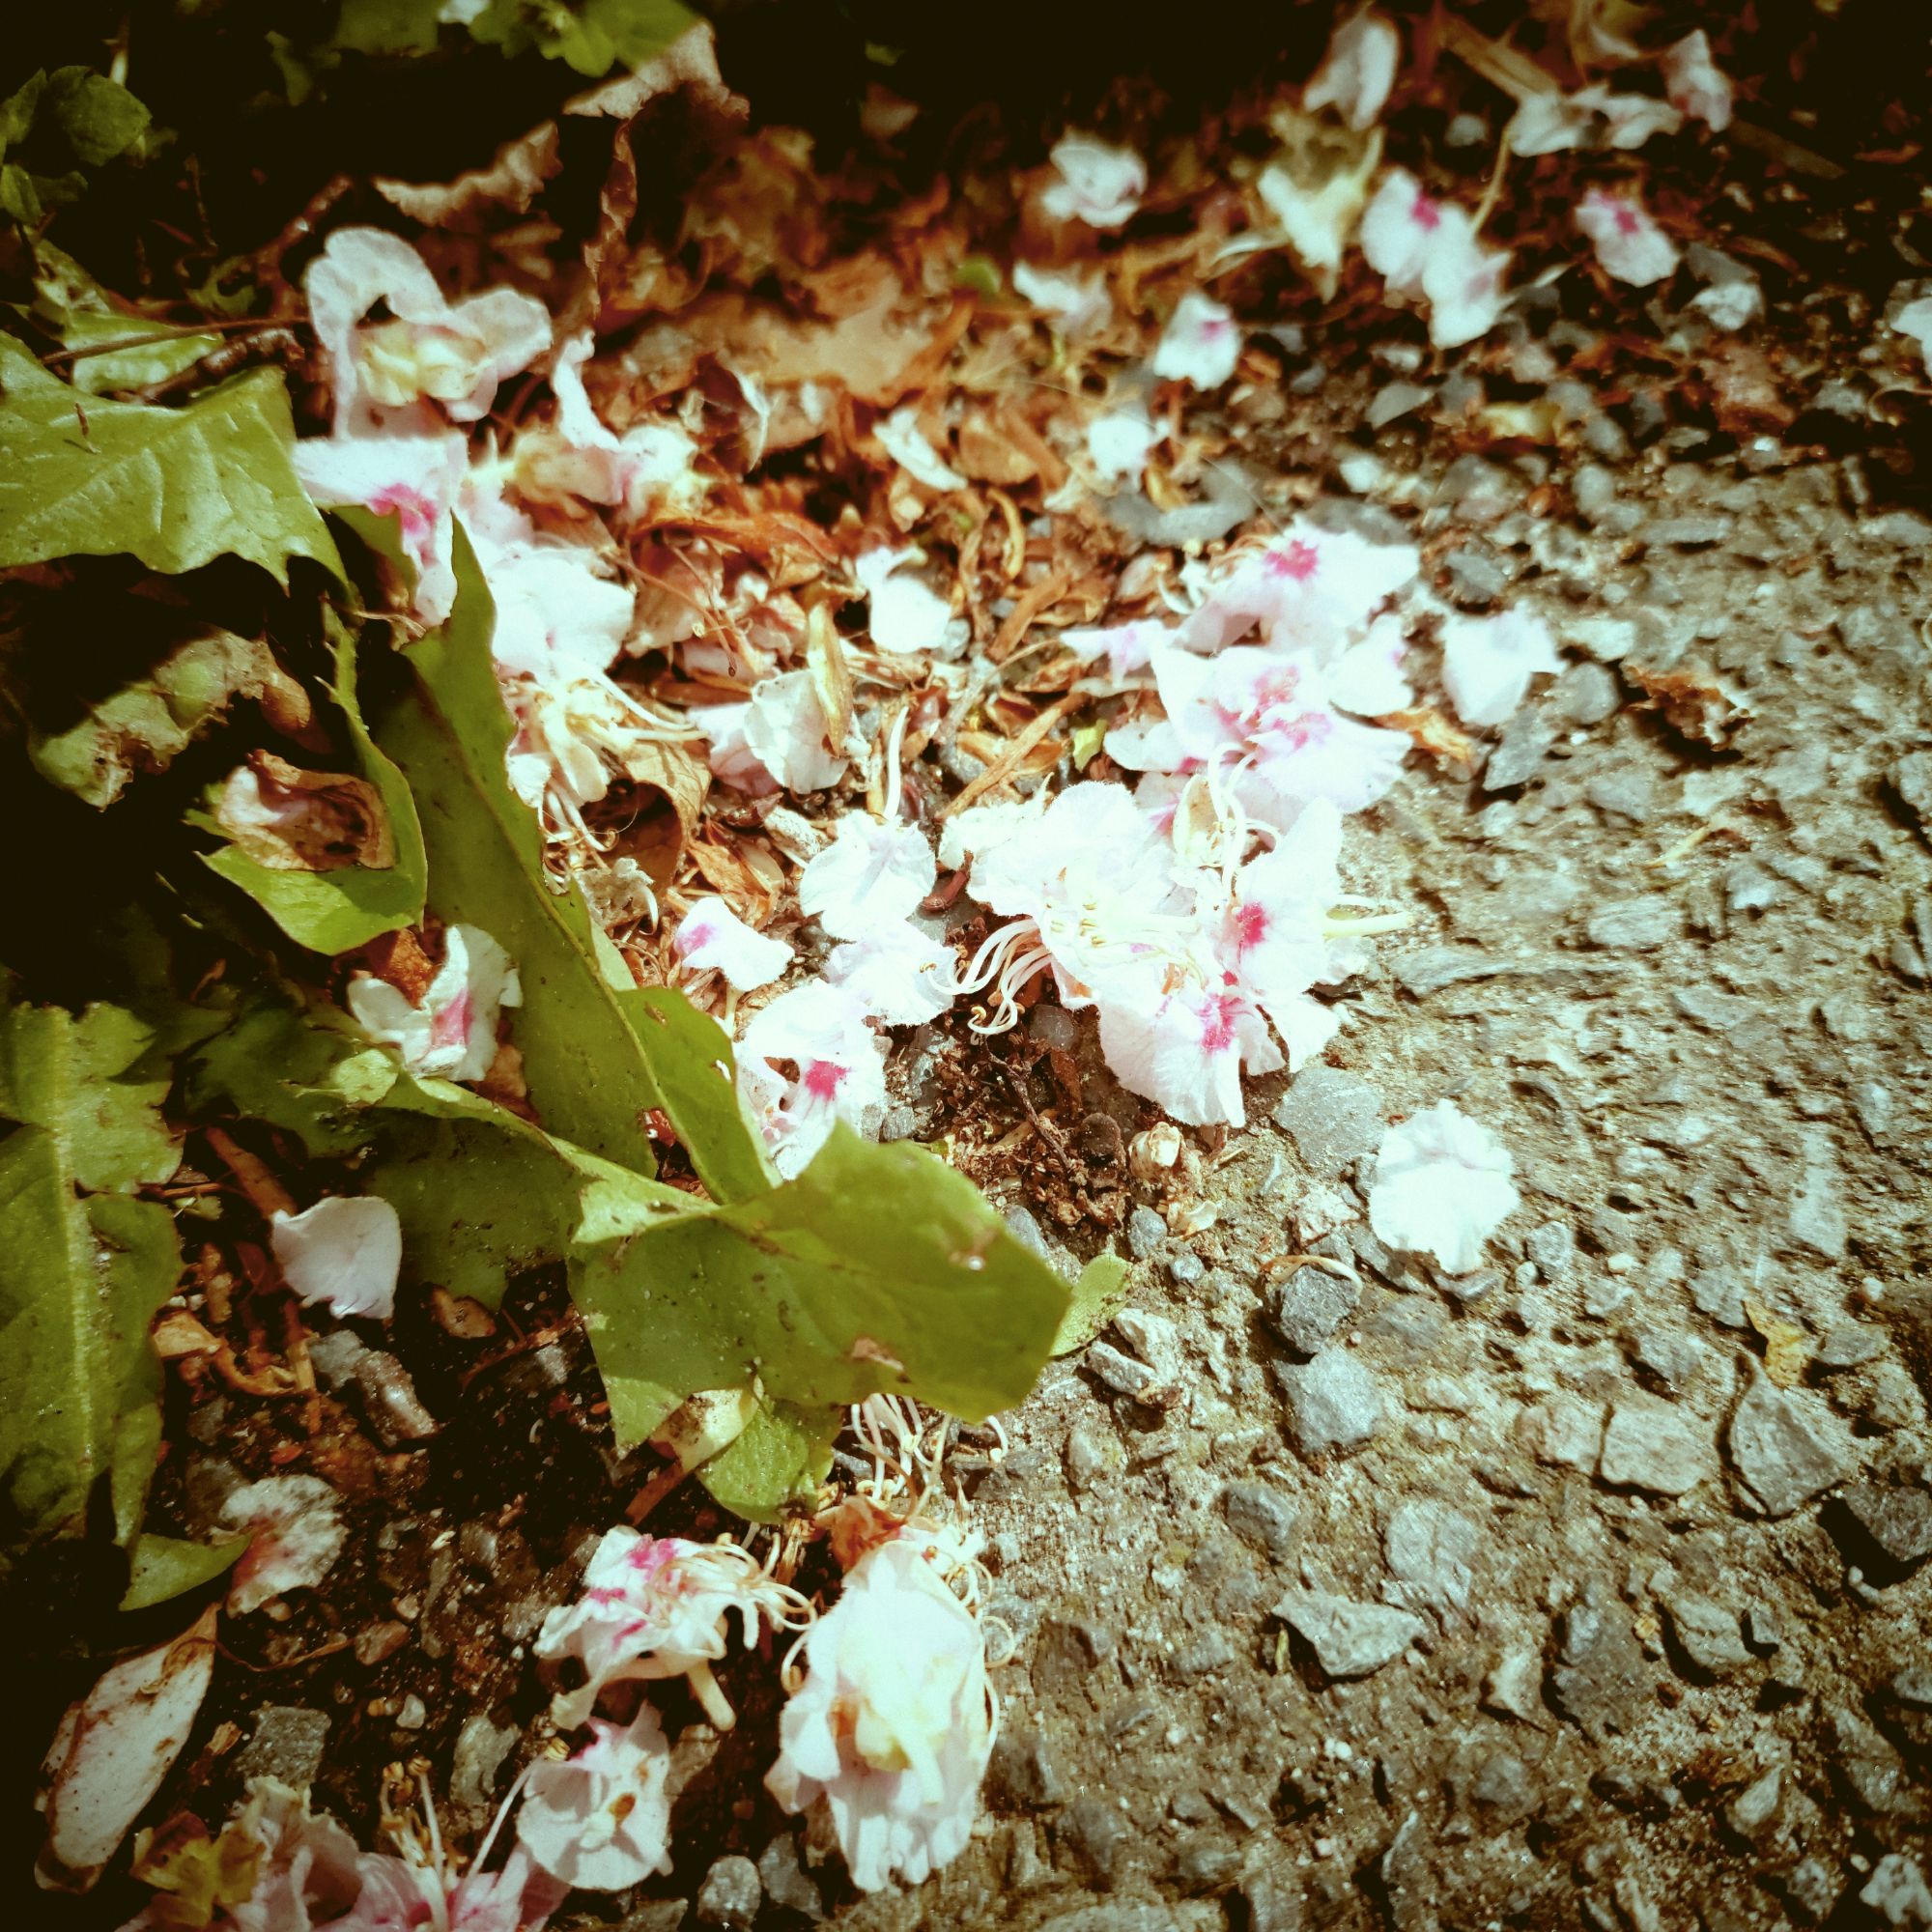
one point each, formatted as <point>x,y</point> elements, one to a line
<point>1099,184</point>
<point>296,1535</point>
<point>600,1820</point>
<point>906,615</point>
<point>713,938</point>
<point>1199,344</point>
<point>1488,662</point>
<point>1696,84</point>
<point>1628,242</point>
<point>1080,300</point>
<point>1442,1186</point>
<point>345,1251</point>
<point>872,873</point>
<point>1358,70</point>
<point>451,1034</point>
<point>908,445</point>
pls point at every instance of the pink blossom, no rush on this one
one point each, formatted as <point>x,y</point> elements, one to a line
<point>1305,587</point>
<point>415,1894</point>
<point>345,1253</point>
<point>1125,648</point>
<point>839,1062</point>
<point>652,466</point>
<point>1488,662</point>
<point>1099,184</point>
<point>903,976</point>
<point>600,1821</point>
<point>713,938</point>
<point>871,874</point>
<point>656,1606</point>
<point>1199,344</point>
<point>1696,84</point>
<point>1428,248</point>
<point>413,478</point>
<point>451,1033</point>
<point>1358,70</point>
<point>1628,242</point>
<point>893,1724</point>
<point>1188,1047</point>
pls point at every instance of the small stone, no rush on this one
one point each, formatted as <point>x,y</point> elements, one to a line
<point>1120,1372</point>
<point>287,1744</point>
<point>1514,1689</point>
<point>1709,1008</point>
<point>1896,1522</point>
<point>1719,1293</point>
<point>1094,1829</point>
<point>1625,791</point>
<point>1761,1631</point>
<point>1429,1547</point>
<point>1749,888</point>
<point>1395,400</point>
<point>1607,640</point>
<point>379,1642</point>
<point>1022,1772</point>
<point>1503,1789</point>
<point>333,1355</point>
<point>1755,1806</point>
<point>1348,1640</point>
<point>1586,694</point>
<point>1897,1891</point>
<point>1649,1446</point>
<point>1636,926</point>
<point>1707,1633</point>
<point>1563,1432</point>
<point>481,1746</point>
<point>657,1914</point>
<point>1274,1903</point>
<point>1599,1677</point>
<point>389,1397</point>
<point>1055,1027</point>
<point>1434,967</point>
<point>1785,1447</point>
<point>786,1883</point>
<point>1523,746</point>
<point>1093,1451</point>
<point>1309,1309</point>
<point>1817,1217</point>
<point>1911,780</point>
<point>413,1715</point>
<point>1146,1233</point>
<point>1334,1403</point>
<point>1333,1117</point>
<point>1811,1888</point>
<point>1593,489</point>
<point>1672,1357</point>
<point>1552,1248</point>
<point>1689,532</point>
<point>1263,1515</point>
<point>1475,578</point>
<point>730,1895</point>
<point>1185,1267</point>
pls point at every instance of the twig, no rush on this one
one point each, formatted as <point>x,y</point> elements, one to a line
<point>1014,756</point>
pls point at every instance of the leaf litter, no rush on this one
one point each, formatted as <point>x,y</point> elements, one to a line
<point>785,660</point>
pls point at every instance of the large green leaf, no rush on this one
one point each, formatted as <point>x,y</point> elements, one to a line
<point>598,1053</point>
<point>83,1264</point>
<point>878,1268</point>
<point>782,1458</point>
<point>80,476</point>
<point>338,910</point>
<point>70,303</point>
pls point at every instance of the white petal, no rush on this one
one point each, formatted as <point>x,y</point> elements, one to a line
<point>903,976</point>
<point>115,1746</point>
<point>906,444</point>
<point>296,1536</point>
<point>907,614</point>
<point>1356,76</point>
<point>1118,442</point>
<point>345,1251</point>
<point>1442,1186</point>
<point>1488,662</point>
<point>869,875</point>
<point>713,938</point>
<point>1200,344</point>
<point>1099,184</point>
<point>1628,243</point>
<point>786,730</point>
<point>1081,301</point>
<point>1696,84</point>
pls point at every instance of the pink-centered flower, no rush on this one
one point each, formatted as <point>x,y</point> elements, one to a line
<point>414,479</point>
<point>1428,249</point>
<point>893,1724</point>
<point>713,939</point>
<point>837,1063</point>
<point>1098,184</point>
<point>903,976</point>
<point>1200,344</point>
<point>451,1033</point>
<point>1696,84</point>
<point>1628,242</point>
<point>600,1820</point>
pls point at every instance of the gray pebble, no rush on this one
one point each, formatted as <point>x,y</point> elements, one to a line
<point>389,1397</point>
<point>1524,744</point>
<point>1395,400</point>
<point>1594,489</point>
<point>1263,1515</point>
<point>1434,967</point>
<point>1897,1891</point>
<point>1688,532</point>
<point>730,1895</point>
<point>1635,925</point>
<point>1912,780</point>
<point>1707,1633</point>
<point>1096,1834</point>
<point>1785,1447</point>
<point>1146,1233</point>
<point>287,1744</point>
<point>1552,1248</point>
<point>1348,1640</point>
<point>1309,1308</point>
<point>1649,1446</point>
<point>1334,1403</point>
<point>1749,888</point>
<point>1475,576</point>
<point>1334,1119</point>
<point>1899,1521</point>
<point>1429,1547</point>
<point>786,1883</point>
<point>1586,694</point>
<point>1606,638</point>
<point>1625,791</point>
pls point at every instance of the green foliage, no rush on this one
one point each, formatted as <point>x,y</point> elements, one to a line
<point>175,487</point>
<point>338,910</point>
<point>145,726</point>
<point>84,1265</point>
<point>81,315</point>
<point>879,1269</point>
<point>160,1567</point>
<point>1098,1295</point>
<point>55,126</point>
<point>598,1053</point>
<point>590,36</point>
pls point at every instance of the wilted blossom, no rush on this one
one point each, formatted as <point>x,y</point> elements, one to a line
<point>345,1253</point>
<point>1199,344</point>
<point>1358,70</point>
<point>1488,662</point>
<point>823,1032</point>
<point>1079,299</point>
<point>1125,649</point>
<point>653,466</point>
<point>296,1535</point>
<point>908,445</point>
<point>600,1820</point>
<point>901,975</point>
<point>451,1033</point>
<point>1696,84</point>
<point>1442,1186</point>
<point>1308,587</point>
<point>778,738</point>
<point>1099,184</point>
<point>713,938</point>
<point>1593,117</point>
<point>873,872</point>
<point>658,1607</point>
<point>276,1866</point>
<point>422,1889</point>
<point>907,614</point>
<point>415,479</point>
<point>893,1723</point>
<point>1628,242</point>
<point>1316,219</point>
<point>1421,246</point>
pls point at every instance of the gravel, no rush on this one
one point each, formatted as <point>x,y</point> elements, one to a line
<point>1785,1447</point>
<point>1334,1403</point>
<point>730,1895</point>
<point>1348,1640</point>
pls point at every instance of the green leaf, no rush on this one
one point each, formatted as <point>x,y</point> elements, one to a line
<point>590,36</point>
<point>782,1458</point>
<point>878,1268</point>
<point>83,1265</point>
<point>161,1567</point>
<point>98,117</point>
<point>82,315</point>
<point>598,1053</point>
<point>338,910</point>
<point>388,26</point>
<point>1098,1295</point>
<point>176,488</point>
<point>144,726</point>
